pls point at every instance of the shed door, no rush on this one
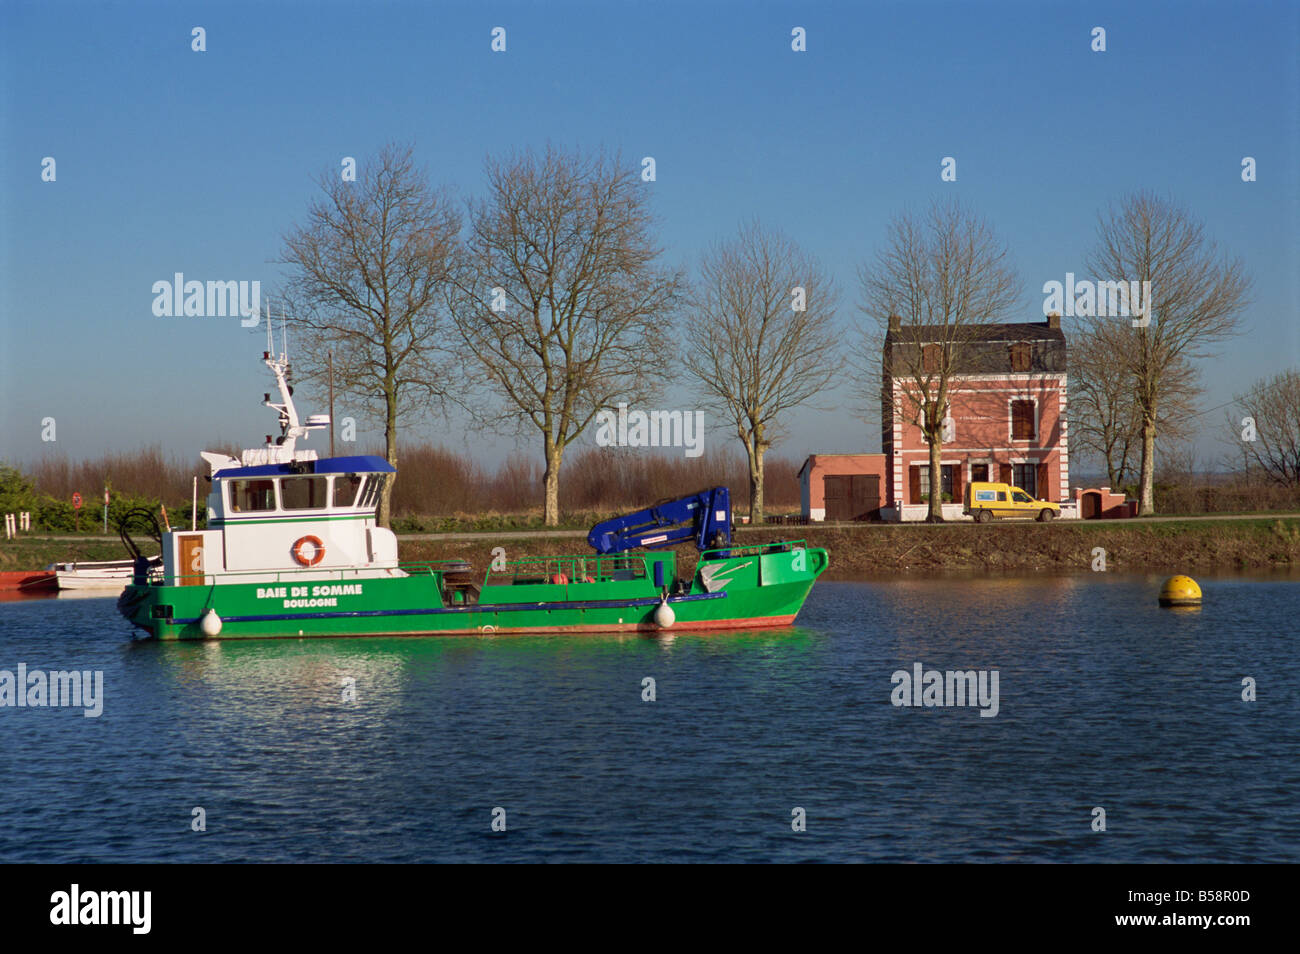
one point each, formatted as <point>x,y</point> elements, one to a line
<point>866,496</point>
<point>838,501</point>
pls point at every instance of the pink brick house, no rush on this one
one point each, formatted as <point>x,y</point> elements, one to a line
<point>1006,417</point>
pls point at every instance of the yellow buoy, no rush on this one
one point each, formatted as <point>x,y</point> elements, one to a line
<point>1180,591</point>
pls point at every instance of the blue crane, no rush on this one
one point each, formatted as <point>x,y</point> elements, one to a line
<point>704,517</point>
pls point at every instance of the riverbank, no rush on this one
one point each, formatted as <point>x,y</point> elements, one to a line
<point>1258,543</point>
<point>1229,543</point>
<point>1254,543</point>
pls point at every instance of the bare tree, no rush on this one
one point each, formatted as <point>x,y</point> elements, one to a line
<point>1196,296</point>
<point>560,296</point>
<point>945,276</point>
<point>1103,416</point>
<point>1105,420</point>
<point>763,340</point>
<point>1268,427</point>
<point>371,266</point>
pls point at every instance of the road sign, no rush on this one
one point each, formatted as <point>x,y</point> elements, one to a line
<point>76,501</point>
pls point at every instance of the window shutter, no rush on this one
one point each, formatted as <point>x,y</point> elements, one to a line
<point>1022,420</point>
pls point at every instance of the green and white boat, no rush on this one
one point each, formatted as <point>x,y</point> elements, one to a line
<point>293,548</point>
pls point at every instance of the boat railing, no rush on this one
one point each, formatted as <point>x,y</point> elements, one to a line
<point>570,569</point>
<point>752,549</point>
<point>306,574</point>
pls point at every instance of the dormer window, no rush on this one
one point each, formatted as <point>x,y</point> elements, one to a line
<point>930,357</point>
<point>1020,356</point>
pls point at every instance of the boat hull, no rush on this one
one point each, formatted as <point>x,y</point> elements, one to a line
<point>28,581</point>
<point>107,575</point>
<point>71,581</point>
<point>750,590</point>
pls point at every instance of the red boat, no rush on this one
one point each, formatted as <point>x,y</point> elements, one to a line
<point>17,583</point>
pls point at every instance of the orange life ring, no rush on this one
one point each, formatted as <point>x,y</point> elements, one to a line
<point>317,546</point>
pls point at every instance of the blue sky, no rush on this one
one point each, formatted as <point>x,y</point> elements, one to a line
<point>171,161</point>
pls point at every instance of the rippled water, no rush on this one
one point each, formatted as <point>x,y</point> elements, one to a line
<point>1105,700</point>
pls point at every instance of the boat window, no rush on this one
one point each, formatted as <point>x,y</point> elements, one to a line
<point>370,496</point>
<point>345,489</point>
<point>246,495</point>
<point>303,493</point>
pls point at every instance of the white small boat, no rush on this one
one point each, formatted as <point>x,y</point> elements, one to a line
<point>102,575</point>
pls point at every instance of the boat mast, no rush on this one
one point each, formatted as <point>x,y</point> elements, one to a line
<point>290,427</point>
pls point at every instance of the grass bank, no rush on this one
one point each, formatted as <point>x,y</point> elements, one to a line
<point>1260,543</point>
<point>1174,545</point>
<point>1245,543</point>
<point>34,553</point>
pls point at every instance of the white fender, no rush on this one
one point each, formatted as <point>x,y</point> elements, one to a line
<point>664,615</point>
<point>210,623</point>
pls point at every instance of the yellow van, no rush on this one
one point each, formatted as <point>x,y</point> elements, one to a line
<point>984,501</point>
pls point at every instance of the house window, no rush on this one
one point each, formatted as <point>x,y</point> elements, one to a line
<point>1020,353</point>
<point>945,480</point>
<point>1025,476</point>
<point>1023,425</point>
<point>930,357</point>
<point>979,472</point>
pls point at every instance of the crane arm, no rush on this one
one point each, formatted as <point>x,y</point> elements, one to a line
<point>704,517</point>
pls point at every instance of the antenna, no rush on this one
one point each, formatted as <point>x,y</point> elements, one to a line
<point>284,334</point>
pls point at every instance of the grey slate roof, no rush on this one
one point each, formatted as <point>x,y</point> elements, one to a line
<point>988,347</point>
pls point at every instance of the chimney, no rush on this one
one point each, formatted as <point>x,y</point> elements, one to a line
<point>895,323</point>
<point>1054,321</point>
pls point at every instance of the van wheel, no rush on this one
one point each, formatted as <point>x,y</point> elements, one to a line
<point>1046,516</point>
<point>984,516</point>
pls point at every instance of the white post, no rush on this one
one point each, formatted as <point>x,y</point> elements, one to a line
<point>25,520</point>
<point>9,526</point>
<point>194,506</point>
